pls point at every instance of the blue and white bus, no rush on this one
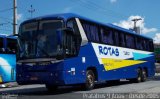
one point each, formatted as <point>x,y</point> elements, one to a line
<point>8,45</point>
<point>68,49</point>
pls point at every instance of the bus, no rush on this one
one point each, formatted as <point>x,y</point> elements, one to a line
<point>8,47</point>
<point>69,49</point>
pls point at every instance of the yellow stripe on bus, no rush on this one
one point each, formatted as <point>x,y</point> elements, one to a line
<point>111,64</point>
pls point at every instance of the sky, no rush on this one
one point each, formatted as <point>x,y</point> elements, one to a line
<point>118,12</point>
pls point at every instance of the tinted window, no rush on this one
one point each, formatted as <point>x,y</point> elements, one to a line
<point>139,43</point>
<point>69,45</point>
<point>107,36</point>
<point>76,42</point>
<point>130,41</point>
<point>144,44</point>
<point>151,46</point>
<point>122,39</point>
<point>39,40</point>
<point>147,45</point>
<point>91,31</point>
<point>116,38</point>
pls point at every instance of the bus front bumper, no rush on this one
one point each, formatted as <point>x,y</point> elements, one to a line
<point>54,78</point>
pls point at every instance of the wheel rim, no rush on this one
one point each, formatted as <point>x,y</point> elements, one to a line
<point>144,75</point>
<point>90,80</point>
<point>139,76</point>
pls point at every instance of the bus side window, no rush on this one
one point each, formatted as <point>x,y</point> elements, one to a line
<point>122,40</point>
<point>144,45</point>
<point>116,38</point>
<point>151,46</point>
<point>91,31</point>
<point>76,40</point>
<point>139,43</point>
<point>147,45</point>
<point>130,43</point>
<point>107,36</point>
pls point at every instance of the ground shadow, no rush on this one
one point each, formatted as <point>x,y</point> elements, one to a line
<point>61,90</point>
<point>66,89</point>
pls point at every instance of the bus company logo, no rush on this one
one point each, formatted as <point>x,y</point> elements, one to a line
<point>126,53</point>
<point>108,51</point>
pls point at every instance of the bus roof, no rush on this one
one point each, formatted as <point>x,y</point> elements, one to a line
<point>67,16</point>
<point>3,35</point>
<point>8,36</point>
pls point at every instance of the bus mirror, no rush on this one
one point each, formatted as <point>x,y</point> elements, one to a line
<point>68,30</point>
<point>16,35</point>
<point>62,32</point>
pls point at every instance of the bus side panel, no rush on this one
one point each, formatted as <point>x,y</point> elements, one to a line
<point>7,67</point>
<point>73,69</point>
<point>130,71</point>
<point>79,64</point>
<point>150,65</point>
<point>87,58</point>
<point>121,62</point>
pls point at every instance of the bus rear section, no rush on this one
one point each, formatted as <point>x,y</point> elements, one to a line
<point>67,49</point>
<point>8,59</point>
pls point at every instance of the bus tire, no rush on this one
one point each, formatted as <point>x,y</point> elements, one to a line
<point>138,79</point>
<point>144,75</point>
<point>90,80</point>
<point>51,88</point>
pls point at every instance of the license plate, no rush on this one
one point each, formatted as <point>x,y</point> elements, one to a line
<point>34,78</point>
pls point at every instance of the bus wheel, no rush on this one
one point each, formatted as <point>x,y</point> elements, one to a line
<point>144,75</point>
<point>51,88</point>
<point>139,76</point>
<point>138,79</point>
<point>90,80</point>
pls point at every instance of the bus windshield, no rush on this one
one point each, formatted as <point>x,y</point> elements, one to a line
<point>39,39</point>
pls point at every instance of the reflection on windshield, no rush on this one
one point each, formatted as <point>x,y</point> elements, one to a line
<point>39,40</point>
